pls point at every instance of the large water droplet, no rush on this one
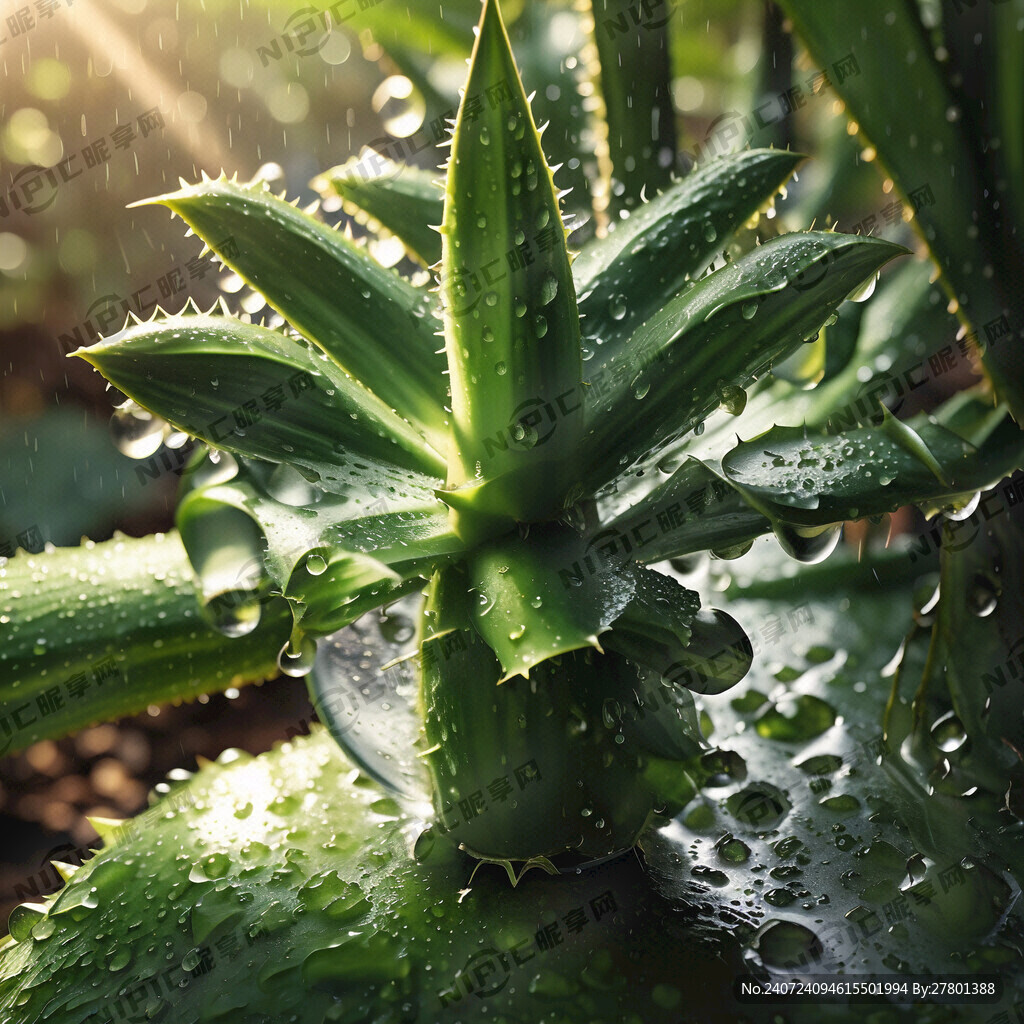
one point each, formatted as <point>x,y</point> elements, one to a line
<point>297,659</point>
<point>136,432</point>
<point>731,397</point>
<point>548,288</point>
<point>617,307</point>
<point>786,944</point>
<point>234,613</point>
<point>864,292</point>
<point>808,544</point>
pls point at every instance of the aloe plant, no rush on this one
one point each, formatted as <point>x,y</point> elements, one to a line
<point>525,444</point>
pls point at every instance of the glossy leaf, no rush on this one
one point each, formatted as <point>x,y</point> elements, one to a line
<point>370,321</point>
<point>664,629</point>
<point>333,556</point>
<point>407,201</point>
<point>260,393</point>
<point>693,510</point>
<point>511,324</point>
<point>924,142</point>
<point>813,479</point>
<point>719,336</point>
<point>572,736</point>
<point>624,278</point>
<point>539,596</point>
<point>135,638</point>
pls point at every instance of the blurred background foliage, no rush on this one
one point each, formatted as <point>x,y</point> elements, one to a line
<point>106,102</point>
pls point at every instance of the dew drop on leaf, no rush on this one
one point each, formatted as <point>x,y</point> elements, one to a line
<point>136,432</point>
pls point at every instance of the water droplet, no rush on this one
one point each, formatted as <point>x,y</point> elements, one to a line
<point>864,292</point>
<point>500,369</point>
<point>316,565</point>
<point>297,660</point>
<point>548,288</point>
<point>749,310</point>
<point>786,944</point>
<point>948,733</point>
<point>731,397</point>
<point>617,307</point>
<point>710,234</point>
<point>233,613</point>
<point>983,596</point>
<point>796,719</point>
<point>136,432</point>
<point>808,544</point>
<point>958,511</point>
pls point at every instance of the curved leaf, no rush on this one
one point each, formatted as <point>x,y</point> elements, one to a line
<point>719,336</point>
<point>333,556</point>
<point>624,278</point>
<point>664,629</point>
<point>260,393</point>
<point>407,201</point>
<point>134,637</point>
<point>546,594</point>
<point>511,324</point>
<point>810,479</point>
<point>693,510</point>
<point>370,321</point>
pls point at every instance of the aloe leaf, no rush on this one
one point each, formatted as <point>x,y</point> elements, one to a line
<point>809,479</point>
<point>546,594</point>
<point>577,719</point>
<point>370,321</point>
<point>921,139</point>
<point>693,510</point>
<point>623,278</point>
<point>632,44</point>
<point>511,324</point>
<point>716,338</point>
<point>407,201</point>
<point>664,629</point>
<point>135,637</point>
<point>260,393</point>
<point>260,528</point>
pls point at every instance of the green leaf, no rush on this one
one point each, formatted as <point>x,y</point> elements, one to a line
<point>259,393</point>
<point>693,510</point>
<point>927,147</point>
<point>810,479</point>
<point>512,335</point>
<point>370,321</point>
<point>407,201</point>
<point>719,336</point>
<point>624,278</point>
<point>577,719</point>
<point>134,638</point>
<point>632,44</point>
<point>663,628</point>
<point>545,594</point>
<point>333,556</point>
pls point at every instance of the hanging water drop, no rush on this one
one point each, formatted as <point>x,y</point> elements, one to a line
<point>136,432</point>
